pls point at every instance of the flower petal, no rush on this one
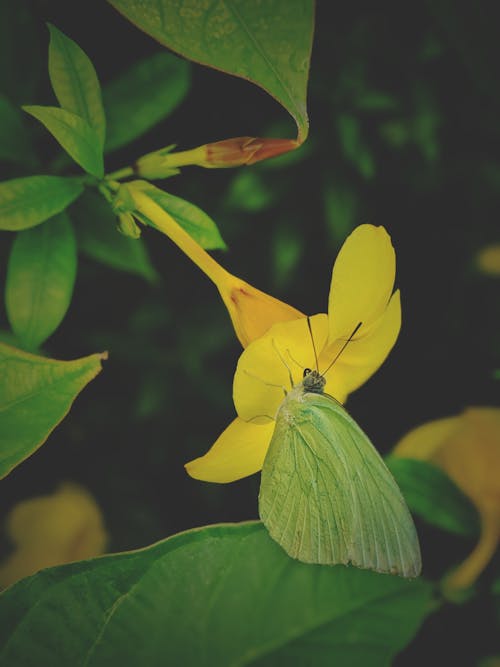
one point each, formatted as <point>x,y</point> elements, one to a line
<point>263,373</point>
<point>252,312</point>
<point>423,442</point>
<point>364,354</point>
<point>238,452</point>
<point>362,280</point>
<point>49,530</point>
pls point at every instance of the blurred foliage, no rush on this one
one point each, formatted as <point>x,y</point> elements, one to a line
<point>404,104</point>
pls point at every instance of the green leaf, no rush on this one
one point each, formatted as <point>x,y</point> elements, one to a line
<point>433,496</point>
<point>40,278</point>
<point>35,395</point>
<point>191,218</point>
<point>26,202</point>
<point>14,144</point>
<point>75,135</point>
<point>341,209</point>
<point>268,43</point>
<point>222,595</point>
<point>354,146</point>
<point>143,96</point>
<point>75,81</point>
<point>100,240</point>
<point>250,191</point>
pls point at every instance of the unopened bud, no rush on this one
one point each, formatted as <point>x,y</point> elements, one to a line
<point>127,226</point>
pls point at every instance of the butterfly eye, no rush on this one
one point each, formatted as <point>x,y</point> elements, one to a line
<point>306,372</point>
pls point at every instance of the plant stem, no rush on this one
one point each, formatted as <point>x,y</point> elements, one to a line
<point>120,173</point>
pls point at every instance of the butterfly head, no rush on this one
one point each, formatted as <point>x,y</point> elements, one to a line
<point>313,381</point>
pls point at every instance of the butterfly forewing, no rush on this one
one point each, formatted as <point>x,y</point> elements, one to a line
<point>327,497</point>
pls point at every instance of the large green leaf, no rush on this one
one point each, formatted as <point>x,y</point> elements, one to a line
<point>40,277</point>
<point>99,238</point>
<point>191,218</point>
<point>75,135</point>
<point>141,97</point>
<point>35,395</point>
<point>268,43</point>
<point>432,495</point>
<point>221,595</point>
<point>14,144</point>
<point>26,202</point>
<point>75,82</point>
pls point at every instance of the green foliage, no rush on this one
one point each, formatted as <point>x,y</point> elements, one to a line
<point>95,226</point>
<point>75,82</point>
<point>40,277</point>
<point>26,202</point>
<point>271,47</point>
<point>14,143</point>
<point>75,135</point>
<point>191,218</point>
<point>35,395</point>
<point>149,91</point>
<point>432,495</point>
<point>249,191</point>
<point>221,595</point>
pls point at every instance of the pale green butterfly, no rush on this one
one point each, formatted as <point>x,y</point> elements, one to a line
<point>326,496</point>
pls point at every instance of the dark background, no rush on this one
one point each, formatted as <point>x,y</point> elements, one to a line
<point>418,82</point>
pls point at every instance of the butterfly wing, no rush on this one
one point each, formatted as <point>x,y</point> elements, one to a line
<point>326,495</point>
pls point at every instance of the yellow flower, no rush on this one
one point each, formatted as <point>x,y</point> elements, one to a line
<point>252,312</point>
<point>488,260</point>
<point>234,152</point>
<point>467,448</point>
<point>51,530</point>
<point>361,293</point>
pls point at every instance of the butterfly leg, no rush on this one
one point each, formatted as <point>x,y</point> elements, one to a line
<point>284,363</point>
<point>268,384</point>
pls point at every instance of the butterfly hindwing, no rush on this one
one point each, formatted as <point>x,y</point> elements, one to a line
<point>326,495</point>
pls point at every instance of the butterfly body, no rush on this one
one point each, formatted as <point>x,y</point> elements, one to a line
<point>326,495</point>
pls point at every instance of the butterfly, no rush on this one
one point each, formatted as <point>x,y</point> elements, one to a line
<point>326,495</point>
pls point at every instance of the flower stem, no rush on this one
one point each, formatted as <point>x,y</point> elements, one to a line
<point>120,173</point>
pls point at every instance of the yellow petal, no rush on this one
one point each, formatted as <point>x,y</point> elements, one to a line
<point>488,260</point>
<point>366,352</point>
<point>252,312</point>
<point>238,452</point>
<point>362,281</point>
<point>467,572</point>
<point>263,372</point>
<point>50,530</point>
<point>467,448</point>
<point>471,457</point>
<point>423,442</point>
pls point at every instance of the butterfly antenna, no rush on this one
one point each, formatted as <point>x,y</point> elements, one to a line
<point>356,328</point>
<point>312,341</point>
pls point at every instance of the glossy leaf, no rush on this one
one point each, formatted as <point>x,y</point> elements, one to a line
<point>192,219</point>
<point>75,81</point>
<point>433,496</point>
<point>40,278</point>
<point>221,595</point>
<point>99,239</point>
<point>26,202</point>
<point>267,43</point>
<point>14,144</point>
<point>75,135</point>
<point>143,96</point>
<point>35,395</point>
